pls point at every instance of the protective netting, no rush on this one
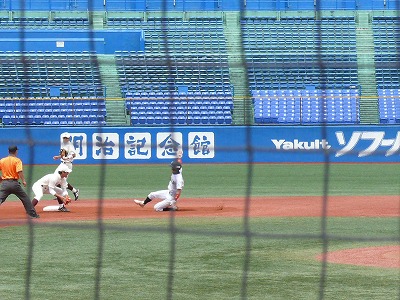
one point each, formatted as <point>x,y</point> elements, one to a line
<point>322,65</point>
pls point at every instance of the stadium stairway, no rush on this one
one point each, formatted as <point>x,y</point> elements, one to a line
<point>116,113</point>
<point>97,18</point>
<point>243,113</point>
<point>369,113</point>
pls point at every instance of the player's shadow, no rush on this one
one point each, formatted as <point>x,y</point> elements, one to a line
<point>186,209</point>
<point>203,209</point>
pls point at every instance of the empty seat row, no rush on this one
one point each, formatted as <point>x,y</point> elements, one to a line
<point>389,106</point>
<point>305,92</point>
<point>181,120</point>
<point>44,119</point>
<point>56,74</point>
<point>167,74</point>
<point>22,106</point>
<point>324,106</point>
<point>49,110</point>
<point>284,54</point>
<point>385,29</point>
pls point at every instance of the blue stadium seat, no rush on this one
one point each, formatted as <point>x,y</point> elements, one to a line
<point>212,120</point>
<point>181,120</point>
<point>197,120</point>
<point>150,120</point>
<point>158,119</point>
<point>6,120</point>
<point>142,120</point>
<point>166,120</point>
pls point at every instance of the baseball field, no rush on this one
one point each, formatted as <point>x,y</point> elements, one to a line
<point>264,231</point>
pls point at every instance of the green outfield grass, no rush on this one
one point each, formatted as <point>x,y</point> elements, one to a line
<point>227,180</point>
<point>209,260</point>
<point>134,256</point>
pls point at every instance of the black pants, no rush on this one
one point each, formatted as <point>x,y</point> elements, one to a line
<point>9,187</point>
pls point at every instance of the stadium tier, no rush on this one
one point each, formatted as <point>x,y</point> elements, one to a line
<point>66,111</point>
<point>389,106</point>
<point>40,74</point>
<point>306,106</point>
<point>187,63</point>
<point>386,33</point>
<point>294,53</point>
<point>199,108</point>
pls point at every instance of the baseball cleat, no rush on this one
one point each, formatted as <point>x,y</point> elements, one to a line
<point>172,208</point>
<point>63,209</point>
<point>139,202</point>
<point>76,194</point>
<point>33,215</point>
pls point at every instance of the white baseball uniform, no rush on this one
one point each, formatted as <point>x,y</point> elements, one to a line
<point>48,185</point>
<point>167,197</point>
<point>67,160</point>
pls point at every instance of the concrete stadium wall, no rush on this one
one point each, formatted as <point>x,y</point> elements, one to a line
<point>223,144</point>
<point>103,42</point>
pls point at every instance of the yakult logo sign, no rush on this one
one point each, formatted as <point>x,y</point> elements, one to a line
<point>301,145</point>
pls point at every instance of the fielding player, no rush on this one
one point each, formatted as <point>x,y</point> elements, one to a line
<point>54,184</point>
<point>67,156</point>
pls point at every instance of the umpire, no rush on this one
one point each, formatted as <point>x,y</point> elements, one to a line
<point>11,169</point>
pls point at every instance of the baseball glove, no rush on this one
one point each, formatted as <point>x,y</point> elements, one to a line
<point>67,200</point>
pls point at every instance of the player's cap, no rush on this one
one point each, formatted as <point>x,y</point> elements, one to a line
<point>64,168</point>
<point>12,148</point>
<point>65,135</point>
<point>176,165</point>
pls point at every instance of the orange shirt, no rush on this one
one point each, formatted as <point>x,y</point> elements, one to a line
<point>10,166</point>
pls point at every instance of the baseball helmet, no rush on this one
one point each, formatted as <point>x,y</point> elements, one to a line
<point>176,165</point>
<point>64,168</point>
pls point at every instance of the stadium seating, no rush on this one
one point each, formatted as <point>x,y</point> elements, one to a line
<point>386,31</point>
<point>195,36</point>
<point>50,84</point>
<point>196,62</point>
<point>389,106</point>
<point>294,53</point>
<point>41,22</point>
<point>41,74</point>
<point>202,109</point>
<point>159,75</point>
<point>173,87</point>
<point>59,111</point>
<point>301,71</point>
<point>306,106</point>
